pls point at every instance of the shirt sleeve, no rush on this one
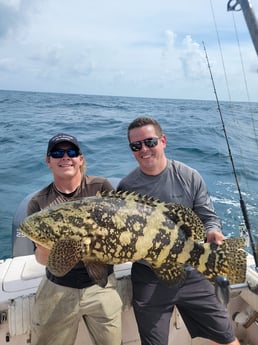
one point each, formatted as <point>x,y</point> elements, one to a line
<point>203,205</point>
<point>32,207</point>
<point>107,186</point>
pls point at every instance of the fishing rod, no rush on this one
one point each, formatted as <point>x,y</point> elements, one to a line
<point>241,200</point>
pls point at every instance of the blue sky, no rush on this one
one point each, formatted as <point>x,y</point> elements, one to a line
<point>142,48</point>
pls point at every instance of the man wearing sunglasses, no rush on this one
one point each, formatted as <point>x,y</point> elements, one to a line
<point>153,301</point>
<point>62,301</point>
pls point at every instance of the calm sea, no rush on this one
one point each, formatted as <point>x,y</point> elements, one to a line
<point>194,133</point>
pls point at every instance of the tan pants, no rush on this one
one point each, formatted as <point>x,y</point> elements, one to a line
<point>58,310</point>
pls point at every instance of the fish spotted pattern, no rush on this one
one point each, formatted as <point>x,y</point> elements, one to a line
<point>117,227</point>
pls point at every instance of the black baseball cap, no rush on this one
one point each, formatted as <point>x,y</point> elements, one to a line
<point>60,138</point>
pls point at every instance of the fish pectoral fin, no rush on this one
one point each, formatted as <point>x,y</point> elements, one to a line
<point>64,255</point>
<point>98,272</point>
<point>171,274</point>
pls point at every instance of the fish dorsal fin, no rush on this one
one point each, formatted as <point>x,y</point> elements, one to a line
<point>125,195</point>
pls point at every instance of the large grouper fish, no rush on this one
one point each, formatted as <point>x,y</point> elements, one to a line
<point>117,227</point>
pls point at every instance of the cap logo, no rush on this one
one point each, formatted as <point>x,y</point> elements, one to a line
<point>62,138</point>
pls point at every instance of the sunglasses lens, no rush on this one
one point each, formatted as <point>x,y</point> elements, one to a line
<point>72,153</point>
<point>60,153</point>
<point>136,146</point>
<point>57,154</point>
<point>149,142</point>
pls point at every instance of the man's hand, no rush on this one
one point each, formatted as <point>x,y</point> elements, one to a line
<point>41,254</point>
<point>215,236</point>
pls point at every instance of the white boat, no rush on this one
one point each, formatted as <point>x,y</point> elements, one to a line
<point>21,275</point>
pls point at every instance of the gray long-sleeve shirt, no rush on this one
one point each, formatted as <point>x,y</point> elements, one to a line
<point>177,183</point>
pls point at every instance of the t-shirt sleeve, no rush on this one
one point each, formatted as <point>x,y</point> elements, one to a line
<point>33,206</point>
<point>107,186</point>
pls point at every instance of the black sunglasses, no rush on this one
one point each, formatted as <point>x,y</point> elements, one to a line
<point>149,142</point>
<point>60,153</point>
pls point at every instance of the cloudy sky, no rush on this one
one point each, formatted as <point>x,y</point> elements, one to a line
<point>143,48</point>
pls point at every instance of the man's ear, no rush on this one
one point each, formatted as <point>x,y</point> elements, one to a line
<point>164,139</point>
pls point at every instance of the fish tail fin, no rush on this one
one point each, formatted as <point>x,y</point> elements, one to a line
<point>228,259</point>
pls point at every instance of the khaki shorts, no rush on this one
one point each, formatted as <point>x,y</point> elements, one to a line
<point>58,310</point>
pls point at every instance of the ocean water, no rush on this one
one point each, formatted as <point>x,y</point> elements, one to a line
<point>194,133</point>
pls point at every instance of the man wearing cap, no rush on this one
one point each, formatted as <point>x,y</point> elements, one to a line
<point>62,301</point>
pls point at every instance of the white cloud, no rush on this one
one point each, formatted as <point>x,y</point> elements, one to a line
<point>193,59</point>
<point>136,48</point>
